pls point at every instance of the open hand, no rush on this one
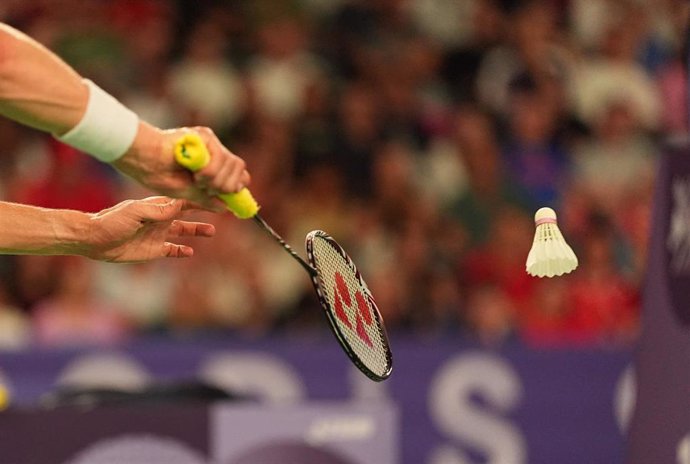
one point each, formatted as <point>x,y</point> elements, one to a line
<point>140,230</point>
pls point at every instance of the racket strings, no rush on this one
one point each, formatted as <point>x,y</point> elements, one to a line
<point>351,306</point>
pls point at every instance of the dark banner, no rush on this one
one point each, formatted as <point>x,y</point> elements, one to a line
<point>135,435</point>
<point>217,433</point>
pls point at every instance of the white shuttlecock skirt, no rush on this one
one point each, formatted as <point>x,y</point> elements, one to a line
<point>550,254</point>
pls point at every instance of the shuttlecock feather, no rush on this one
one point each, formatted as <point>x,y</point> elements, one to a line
<point>550,254</point>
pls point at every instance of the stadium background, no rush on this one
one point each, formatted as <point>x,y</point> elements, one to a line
<point>422,134</point>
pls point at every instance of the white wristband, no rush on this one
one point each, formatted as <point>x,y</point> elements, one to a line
<point>107,129</point>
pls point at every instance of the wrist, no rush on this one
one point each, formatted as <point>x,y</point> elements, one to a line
<point>71,232</point>
<point>146,142</point>
<point>144,153</point>
<point>107,128</point>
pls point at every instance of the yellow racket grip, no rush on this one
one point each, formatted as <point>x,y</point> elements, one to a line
<point>191,153</point>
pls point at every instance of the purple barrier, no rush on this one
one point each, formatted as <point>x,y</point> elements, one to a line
<point>457,403</point>
<point>660,430</point>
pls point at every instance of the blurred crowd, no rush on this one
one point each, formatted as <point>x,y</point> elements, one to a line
<point>421,134</point>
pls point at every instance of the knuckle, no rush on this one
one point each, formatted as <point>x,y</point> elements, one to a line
<point>205,131</point>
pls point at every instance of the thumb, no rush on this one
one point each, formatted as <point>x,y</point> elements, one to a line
<point>160,209</point>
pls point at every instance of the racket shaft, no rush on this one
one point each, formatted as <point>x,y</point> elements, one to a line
<point>191,153</point>
<point>268,229</point>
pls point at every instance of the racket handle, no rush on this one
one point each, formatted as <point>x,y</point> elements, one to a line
<point>191,153</point>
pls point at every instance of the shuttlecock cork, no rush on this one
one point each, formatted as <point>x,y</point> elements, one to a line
<point>550,254</point>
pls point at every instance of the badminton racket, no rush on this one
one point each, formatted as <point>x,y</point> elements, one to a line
<point>348,304</point>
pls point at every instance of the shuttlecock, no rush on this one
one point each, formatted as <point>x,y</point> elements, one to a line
<point>550,254</point>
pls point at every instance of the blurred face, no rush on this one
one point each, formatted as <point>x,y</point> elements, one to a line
<point>76,276</point>
<point>551,297</point>
<point>512,234</point>
<point>623,38</point>
<point>490,313</point>
<point>392,170</point>
<point>281,38</point>
<point>153,42</point>
<point>488,22</point>
<point>477,144</point>
<point>388,283</point>
<point>398,94</point>
<point>324,183</point>
<point>532,118</point>
<point>421,59</point>
<point>358,112</point>
<point>598,252</point>
<point>207,43</point>
<point>535,25</point>
<point>617,122</point>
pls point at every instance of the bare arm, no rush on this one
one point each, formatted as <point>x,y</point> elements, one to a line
<point>36,87</point>
<point>32,230</point>
<point>40,90</point>
<point>128,232</point>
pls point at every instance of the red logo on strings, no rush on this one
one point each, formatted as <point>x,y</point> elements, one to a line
<point>342,295</point>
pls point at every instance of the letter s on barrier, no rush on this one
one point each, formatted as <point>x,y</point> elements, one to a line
<point>457,416</point>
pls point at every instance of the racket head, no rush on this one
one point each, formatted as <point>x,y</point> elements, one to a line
<point>349,306</point>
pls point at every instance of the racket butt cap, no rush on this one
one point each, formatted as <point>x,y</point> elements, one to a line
<point>191,152</point>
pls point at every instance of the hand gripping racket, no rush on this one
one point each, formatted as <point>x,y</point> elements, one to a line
<point>346,300</point>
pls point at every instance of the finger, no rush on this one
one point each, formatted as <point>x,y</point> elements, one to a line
<point>215,181</point>
<point>157,199</point>
<point>233,183</point>
<point>192,229</point>
<point>223,172</point>
<point>172,250</point>
<point>232,178</point>
<point>245,178</point>
<point>219,154</point>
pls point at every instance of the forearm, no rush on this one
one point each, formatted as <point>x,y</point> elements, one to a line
<point>40,231</point>
<point>36,87</point>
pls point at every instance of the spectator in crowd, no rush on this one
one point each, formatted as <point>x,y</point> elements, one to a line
<point>204,66</point>
<point>613,73</point>
<point>532,49</point>
<point>617,164</point>
<point>534,154</point>
<point>283,69</point>
<point>602,303</point>
<point>73,314</point>
<point>490,188</point>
